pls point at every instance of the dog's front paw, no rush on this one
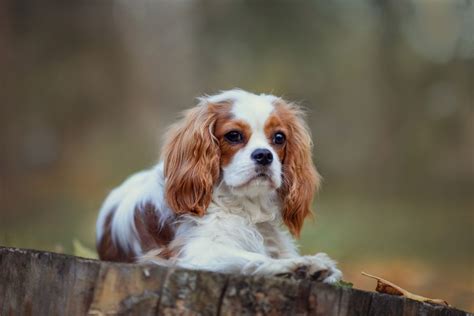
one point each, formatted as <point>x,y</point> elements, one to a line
<point>294,268</point>
<point>322,268</point>
<point>318,268</point>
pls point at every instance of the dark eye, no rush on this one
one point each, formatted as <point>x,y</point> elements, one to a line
<point>234,137</point>
<point>279,138</point>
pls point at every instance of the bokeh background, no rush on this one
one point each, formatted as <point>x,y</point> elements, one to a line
<point>87,89</point>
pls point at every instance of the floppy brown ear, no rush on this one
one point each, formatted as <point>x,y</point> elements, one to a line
<point>191,158</point>
<point>300,177</point>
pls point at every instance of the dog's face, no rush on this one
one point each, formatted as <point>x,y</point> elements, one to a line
<point>252,141</point>
<point>253,144</point>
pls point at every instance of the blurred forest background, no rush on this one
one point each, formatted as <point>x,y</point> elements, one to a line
<point>87,89</point>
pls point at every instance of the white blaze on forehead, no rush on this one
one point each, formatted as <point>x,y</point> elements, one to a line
<point>253,109</point>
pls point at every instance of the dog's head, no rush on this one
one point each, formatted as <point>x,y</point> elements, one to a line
<point>254,144</point>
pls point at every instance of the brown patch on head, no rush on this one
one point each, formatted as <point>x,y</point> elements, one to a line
<point>300,177</point>
<point>224,126</point>
<point>278,122</point>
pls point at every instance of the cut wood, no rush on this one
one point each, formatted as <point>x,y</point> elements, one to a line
<point>43,283</point>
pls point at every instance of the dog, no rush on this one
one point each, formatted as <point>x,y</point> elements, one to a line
<point>235,170</point>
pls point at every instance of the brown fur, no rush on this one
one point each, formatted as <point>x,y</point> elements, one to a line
<point>149,231</point>
<point>107,249</point>
<point>276,124</point>
<point>192,159</point>
<point>227,150</point>
<point>151,236</point>
<point>300,177</point>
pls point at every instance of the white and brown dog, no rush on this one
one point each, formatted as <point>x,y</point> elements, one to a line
<point>234,170</point>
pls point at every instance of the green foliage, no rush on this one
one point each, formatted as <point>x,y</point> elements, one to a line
<point>82,251</point>
<point>344,284</point>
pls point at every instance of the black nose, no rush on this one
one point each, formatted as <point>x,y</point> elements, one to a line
<point>262,157</point>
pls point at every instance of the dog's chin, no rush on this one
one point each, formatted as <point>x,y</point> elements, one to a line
<point>257,185</point>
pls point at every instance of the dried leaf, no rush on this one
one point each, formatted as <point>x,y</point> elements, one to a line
<point>386,287</point>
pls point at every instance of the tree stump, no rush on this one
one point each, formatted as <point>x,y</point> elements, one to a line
<point>43,283</point>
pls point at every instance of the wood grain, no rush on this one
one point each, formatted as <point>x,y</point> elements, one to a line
<point>43,283</point>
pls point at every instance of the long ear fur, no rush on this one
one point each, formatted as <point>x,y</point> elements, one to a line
<point>191,157</point>
<point>301,179</point>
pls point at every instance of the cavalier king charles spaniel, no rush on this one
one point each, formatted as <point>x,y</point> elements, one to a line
<point>234,171</point>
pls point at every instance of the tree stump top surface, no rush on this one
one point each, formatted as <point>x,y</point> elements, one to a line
<point>44,283</point>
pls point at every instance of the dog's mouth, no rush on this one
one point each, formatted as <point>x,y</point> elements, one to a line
<point>262,174</point>
<point>262,177</point>
<point>258,178</point>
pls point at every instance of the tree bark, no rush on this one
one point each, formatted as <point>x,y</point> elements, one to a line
<point>43,283</point>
